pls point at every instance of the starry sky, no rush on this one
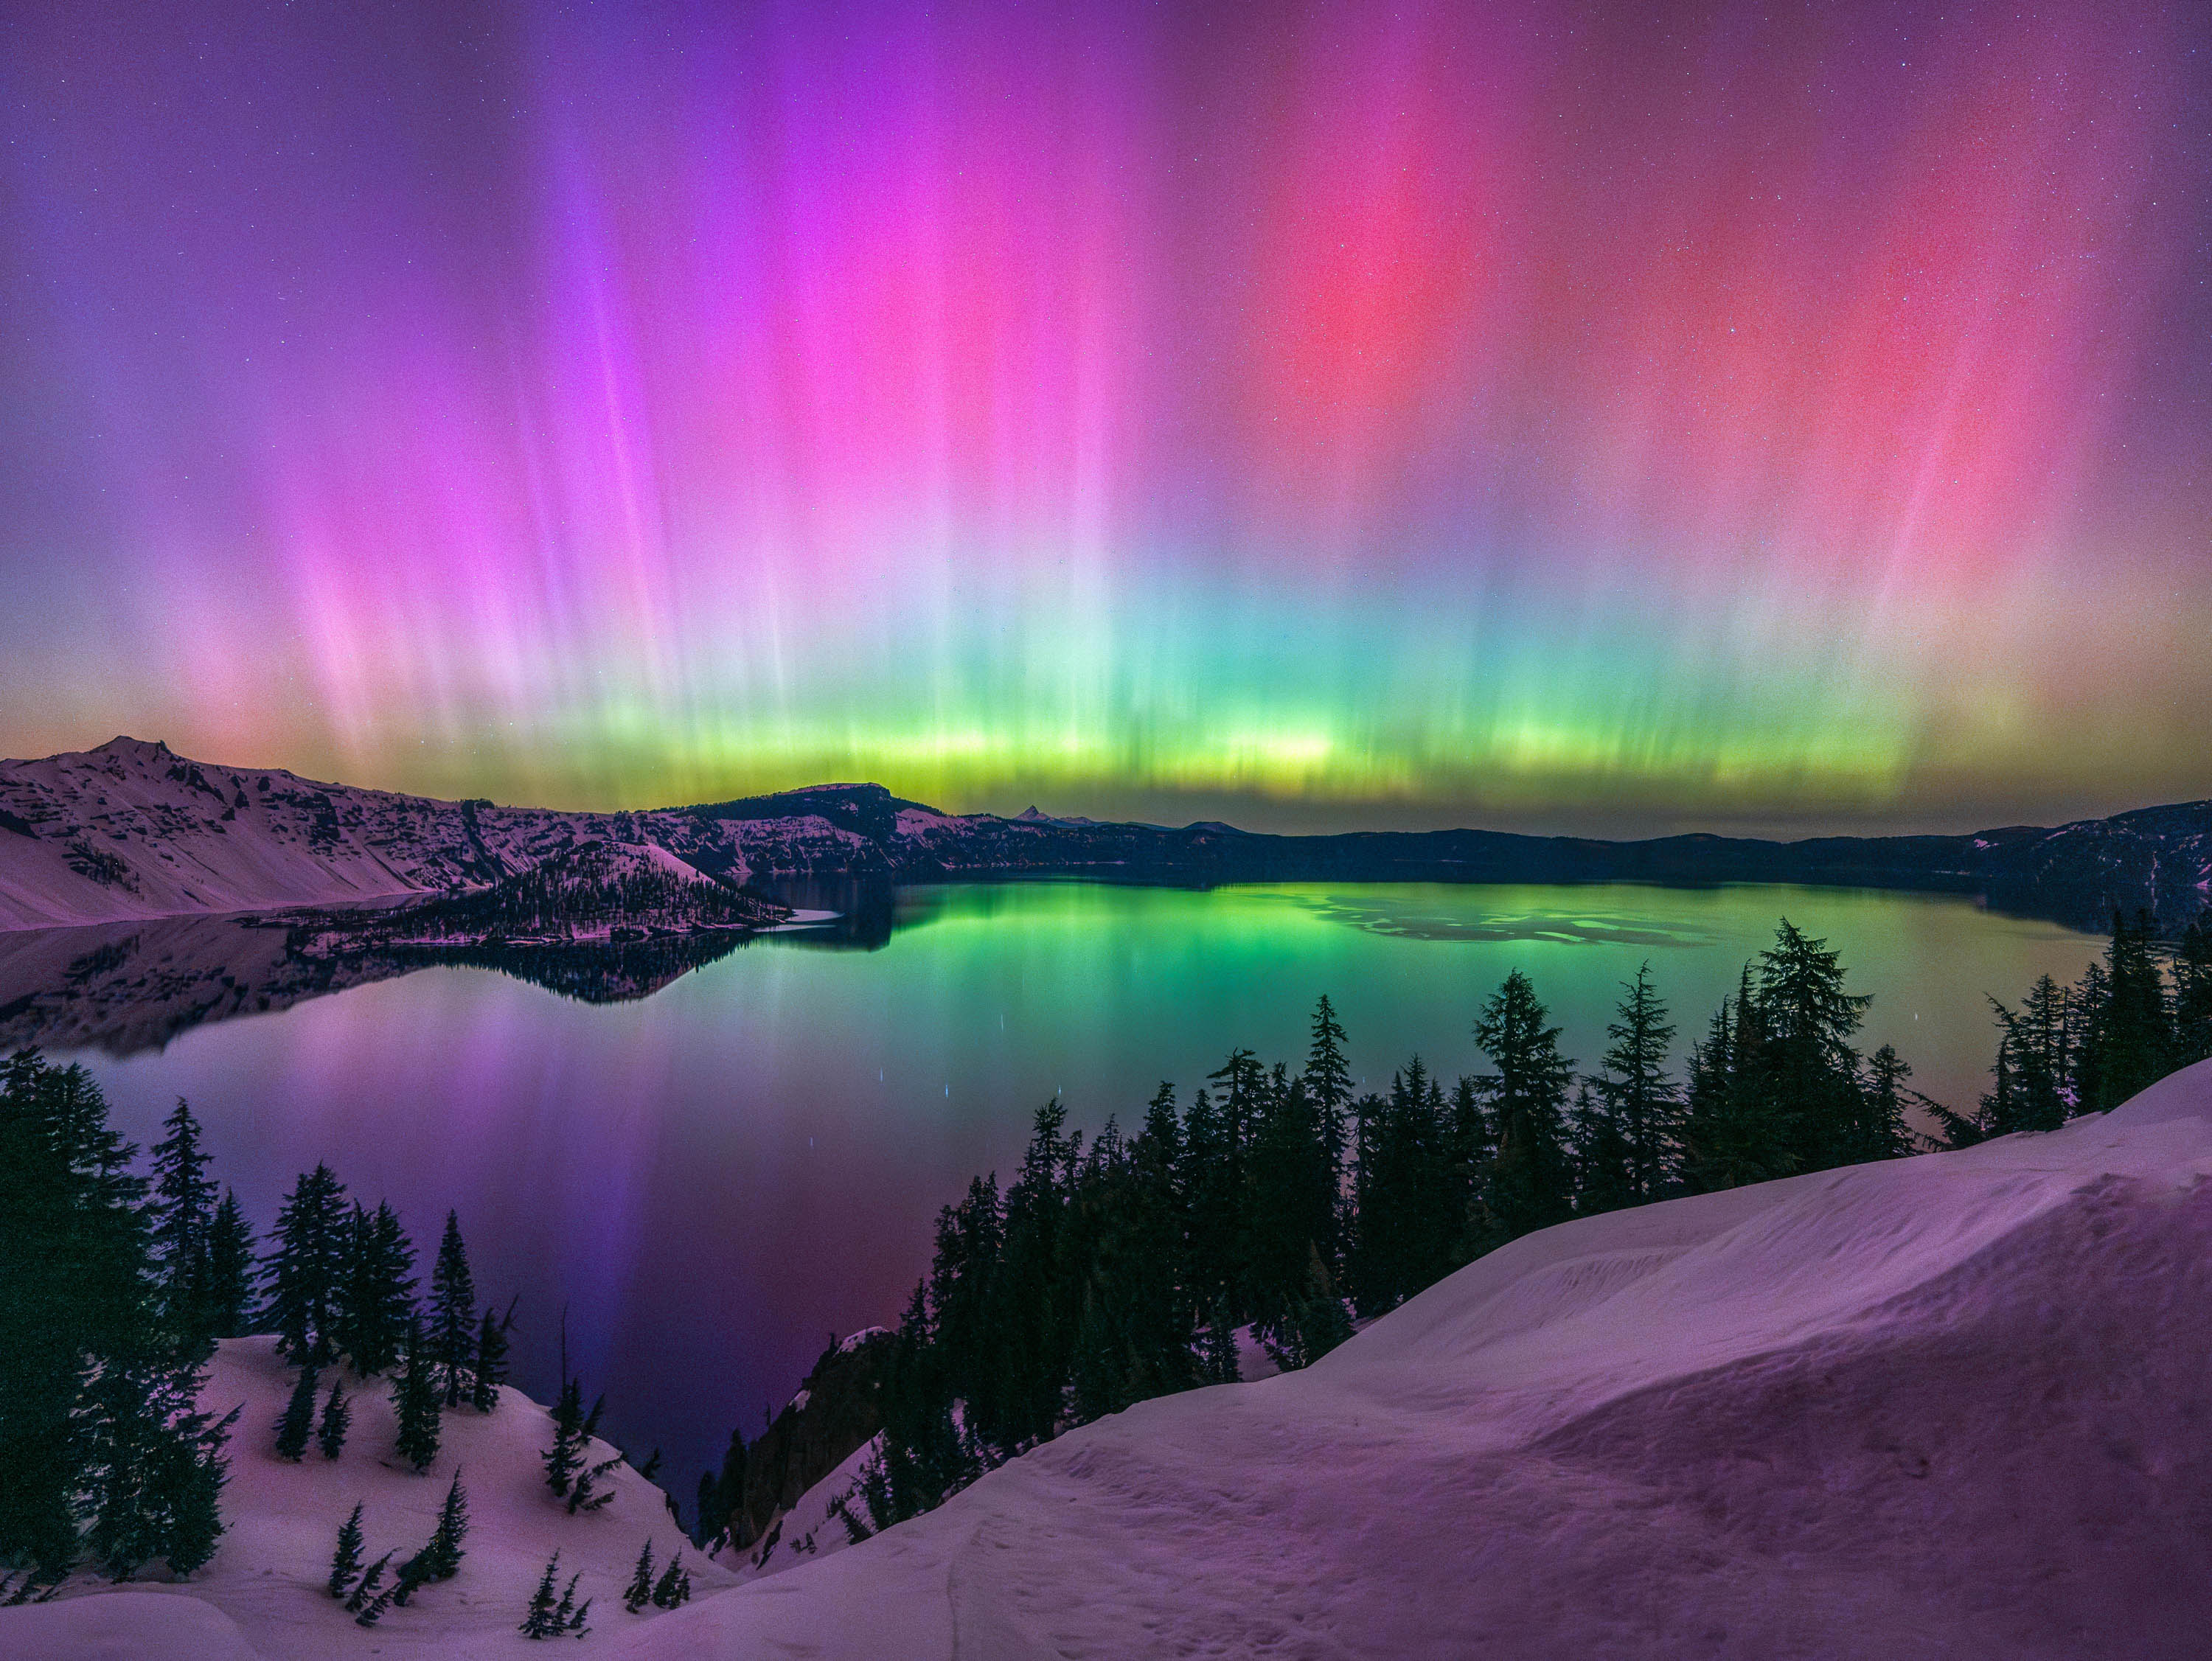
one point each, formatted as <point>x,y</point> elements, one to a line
<point>1545,415</point>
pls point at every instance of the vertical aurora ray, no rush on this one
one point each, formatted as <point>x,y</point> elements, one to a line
<point>1525,412</point>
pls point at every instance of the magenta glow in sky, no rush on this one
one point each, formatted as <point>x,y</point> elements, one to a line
<point>1523,414</point>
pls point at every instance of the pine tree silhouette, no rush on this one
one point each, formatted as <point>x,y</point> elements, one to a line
<point>454,1329</point>
<point>490,1368</point>
<point>345,1562</point>
<point>365,1588</point>
<point>304,1266</point>
<point>338,1415</point>
<point>674,1586</point>
<point>415,1402</point>
<point>297,1423</point>
<point>227,1295</point>
<point>639,1593</point>
<point>446,1548</point>
<point>181,1217</point>
<point>542,1620</point>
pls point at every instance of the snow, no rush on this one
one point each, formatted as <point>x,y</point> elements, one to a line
<point>811,1529</point>
<point>263,1594</point>
<point>132,831</point>
<point>1951,1405</point>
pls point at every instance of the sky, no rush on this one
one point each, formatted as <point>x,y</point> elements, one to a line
<point>1563,416</point>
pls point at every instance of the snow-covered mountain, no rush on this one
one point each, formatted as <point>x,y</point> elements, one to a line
<point>1950,1406</point>
<point>131,830</point>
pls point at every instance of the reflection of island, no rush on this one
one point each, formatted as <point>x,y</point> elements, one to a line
<point>132,987</point>
<point>127,988</point>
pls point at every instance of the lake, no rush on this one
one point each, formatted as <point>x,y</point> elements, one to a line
<point>714,1179</point>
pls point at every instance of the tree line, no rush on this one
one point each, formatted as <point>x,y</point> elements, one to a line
<point>1284,1206</point>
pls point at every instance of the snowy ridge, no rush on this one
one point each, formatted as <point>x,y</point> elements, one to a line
<point>1945,1406</point>
<point>1950,1406</point>
<point>131,830</point>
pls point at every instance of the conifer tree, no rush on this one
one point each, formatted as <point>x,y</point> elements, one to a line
<point>453,1327</point>
<point>674,1586</point>
<point>1882,1133</point>
<point>1605,1174</point>
<point>1643,1099</point>
<point>546,1617</point>
<point>415,1402</point>
<point>338,1418</point>
<point>1530,1180</point>
<point>567,1616</point>
<point>1220,1365</point>
<point>414,1574</point>
<point>2192,992</point>
<point>304,1269</point>
<point>639,1591</point>
<point>566,1456</point>
<point>182,1214</point>
<point>345,1562</point>
<point>1329,1084</point>
<point>2133,1024</point>
<point>376,1301</point>
<point>373,1611</point>
<point>446,1548</point>
<point>297,1423</point>
<point>490,1369</point>
<point>227,1293</point>
<point>364,1589</point>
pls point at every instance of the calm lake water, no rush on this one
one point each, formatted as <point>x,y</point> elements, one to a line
<point>716,1178</point>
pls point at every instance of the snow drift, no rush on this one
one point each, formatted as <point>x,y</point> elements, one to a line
<point>1955,1405</point>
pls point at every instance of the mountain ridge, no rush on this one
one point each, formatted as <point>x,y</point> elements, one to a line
<point>133,830</point>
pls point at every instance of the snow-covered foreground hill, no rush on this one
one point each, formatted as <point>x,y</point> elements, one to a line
<point>1952,1406</point>
<point>263,1595</point>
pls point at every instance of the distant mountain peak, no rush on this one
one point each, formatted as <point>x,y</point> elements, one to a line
<point>1029,813</point>
<point>137,748</point>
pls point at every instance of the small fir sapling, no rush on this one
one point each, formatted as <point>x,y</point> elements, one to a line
<point>373,1611</point>
<point>338,1415</point>
<point>445,1551</point>
<point>298,1423</point>
<point>674,1586</point>
<point>639,1593</point>
<point>841,1509</point>
<point>542,1621</point>
<point>569,1615</point>
<point>414,1574</point>
<point>345,1562</point>
<point>365,1588</point>
<point>566,1456</point>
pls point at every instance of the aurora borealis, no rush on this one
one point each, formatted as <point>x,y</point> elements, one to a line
<point>1531,414</point>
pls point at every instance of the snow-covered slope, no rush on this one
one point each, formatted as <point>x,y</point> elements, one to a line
<point>133,830</point>
<point>1952,1406</point>
<point>1957,1405</point>
<point>263,1595</point>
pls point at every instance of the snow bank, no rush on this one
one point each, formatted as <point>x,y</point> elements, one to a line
<point>263,1594</point>
<point>1954,1405</point>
